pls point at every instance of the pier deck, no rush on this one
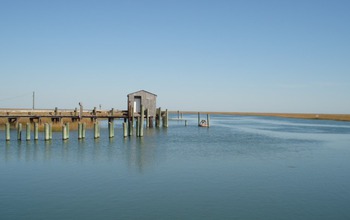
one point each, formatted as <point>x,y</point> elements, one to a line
<point>56,115</point>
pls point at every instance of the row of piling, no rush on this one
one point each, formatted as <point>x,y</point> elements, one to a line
<point>66,131</point>
<point>47,131</point>
<point>128,127</point>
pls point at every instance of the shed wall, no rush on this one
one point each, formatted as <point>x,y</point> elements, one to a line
<point>148,100</point>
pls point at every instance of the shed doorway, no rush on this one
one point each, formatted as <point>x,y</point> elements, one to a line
<point>137,104</point>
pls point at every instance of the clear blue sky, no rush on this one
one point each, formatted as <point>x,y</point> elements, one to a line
<point>206,55</point>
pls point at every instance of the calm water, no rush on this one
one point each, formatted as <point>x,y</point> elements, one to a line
<point>240,168</point>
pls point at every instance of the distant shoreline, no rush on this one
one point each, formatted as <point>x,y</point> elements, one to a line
<point>315,116</point>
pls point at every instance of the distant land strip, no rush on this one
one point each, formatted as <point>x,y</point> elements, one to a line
<point>336,117</point>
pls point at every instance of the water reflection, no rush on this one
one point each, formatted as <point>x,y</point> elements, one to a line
<point>65,150</point>
<point>137,153</point>
<point>7,155</point>
<point>232,137</point>
<point>47,150</point>
<point>140,152</point>
<point>110,149</point>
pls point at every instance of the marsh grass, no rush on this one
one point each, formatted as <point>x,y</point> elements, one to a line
<point>56,126</point>
<point>336,117</point>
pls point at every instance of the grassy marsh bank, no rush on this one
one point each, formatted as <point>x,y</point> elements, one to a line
<point>336,117</point>
<point>57,126</point>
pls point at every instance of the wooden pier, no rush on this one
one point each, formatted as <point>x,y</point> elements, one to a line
<point>57,115</point>
<point>63,120</point>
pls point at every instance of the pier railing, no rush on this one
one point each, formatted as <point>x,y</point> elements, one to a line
<point>63,113</point>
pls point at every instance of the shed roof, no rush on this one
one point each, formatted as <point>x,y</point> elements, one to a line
<point>142,91</point>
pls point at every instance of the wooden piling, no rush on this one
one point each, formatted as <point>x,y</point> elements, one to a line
<point>125,129</point>
<point>199,118</point>
<point>81,110</point>
<point>185,122</point>
<point>130,128</point>
<point>158,117</point>
<point>80,130</point>
<point>138,127</point>
<point>7,131</point>
<point>83,127</point>
<point>151,122</point>
<point>47,132</point>
<point>147,118</point>
<point>141,128</point>
<point>67,129</point>
<point>28,131</point>
<point>166,119</point>
<point>19,131</point>
<point>50,131</point>
<point>142,119</point>
<point>64,132</point>
<point>96,130</point>
<point>132,118</point>
<point>36,131</point>
<point>111,128</point>
<point>208,120</point>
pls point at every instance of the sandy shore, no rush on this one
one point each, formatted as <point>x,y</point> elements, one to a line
<point>337,117</point>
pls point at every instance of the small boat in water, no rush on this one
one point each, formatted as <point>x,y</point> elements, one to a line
<point>203,123</point>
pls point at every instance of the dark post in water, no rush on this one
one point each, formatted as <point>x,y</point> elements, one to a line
<point>19,131</point>
<point>208,120</point>
<point>142,119</point>
<point>147,118</point>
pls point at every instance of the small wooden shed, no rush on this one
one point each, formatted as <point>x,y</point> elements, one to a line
<point>144,98</point>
